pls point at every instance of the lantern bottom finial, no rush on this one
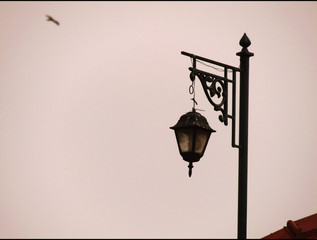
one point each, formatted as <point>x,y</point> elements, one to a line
<point>190,166</point>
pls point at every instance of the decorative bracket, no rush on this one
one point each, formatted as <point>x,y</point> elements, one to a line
<point>216,89</point>
<point>214,85</point>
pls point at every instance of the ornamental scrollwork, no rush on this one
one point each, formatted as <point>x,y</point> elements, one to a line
<point>216,90</point>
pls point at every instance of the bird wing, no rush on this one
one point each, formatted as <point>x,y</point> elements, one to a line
<point>49,18</point>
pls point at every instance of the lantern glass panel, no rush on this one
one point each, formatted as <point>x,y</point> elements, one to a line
<point>202,137</point>
<point>185,139</point>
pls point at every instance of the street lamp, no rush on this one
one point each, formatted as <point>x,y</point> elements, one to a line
<point>193,128</point>
<point>192,132</point>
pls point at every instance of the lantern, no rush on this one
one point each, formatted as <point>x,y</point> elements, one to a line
<point>192,133</point>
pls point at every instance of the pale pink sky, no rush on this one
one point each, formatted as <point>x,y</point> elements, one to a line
<point>85,147</point>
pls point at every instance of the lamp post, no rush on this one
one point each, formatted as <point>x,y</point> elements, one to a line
<point>217,86</point>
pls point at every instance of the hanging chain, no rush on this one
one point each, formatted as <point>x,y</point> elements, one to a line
<point>192,86</point>
<point>192,91</point>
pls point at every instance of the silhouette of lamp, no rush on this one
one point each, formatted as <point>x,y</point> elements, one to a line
<point>192,130</point>
<point>192,133</point>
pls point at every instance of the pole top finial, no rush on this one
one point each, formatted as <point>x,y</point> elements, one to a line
<point>245,41</point>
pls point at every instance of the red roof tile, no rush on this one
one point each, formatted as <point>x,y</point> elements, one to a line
<point>305,228</point>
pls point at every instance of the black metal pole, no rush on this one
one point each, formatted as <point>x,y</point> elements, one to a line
<point>243,136</point>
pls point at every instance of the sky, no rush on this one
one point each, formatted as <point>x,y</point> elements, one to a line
<point>86,149</point>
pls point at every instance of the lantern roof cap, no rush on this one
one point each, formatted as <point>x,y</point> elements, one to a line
<point>193,119</point>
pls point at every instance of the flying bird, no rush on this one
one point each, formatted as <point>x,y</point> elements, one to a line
<point>49,18</point>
